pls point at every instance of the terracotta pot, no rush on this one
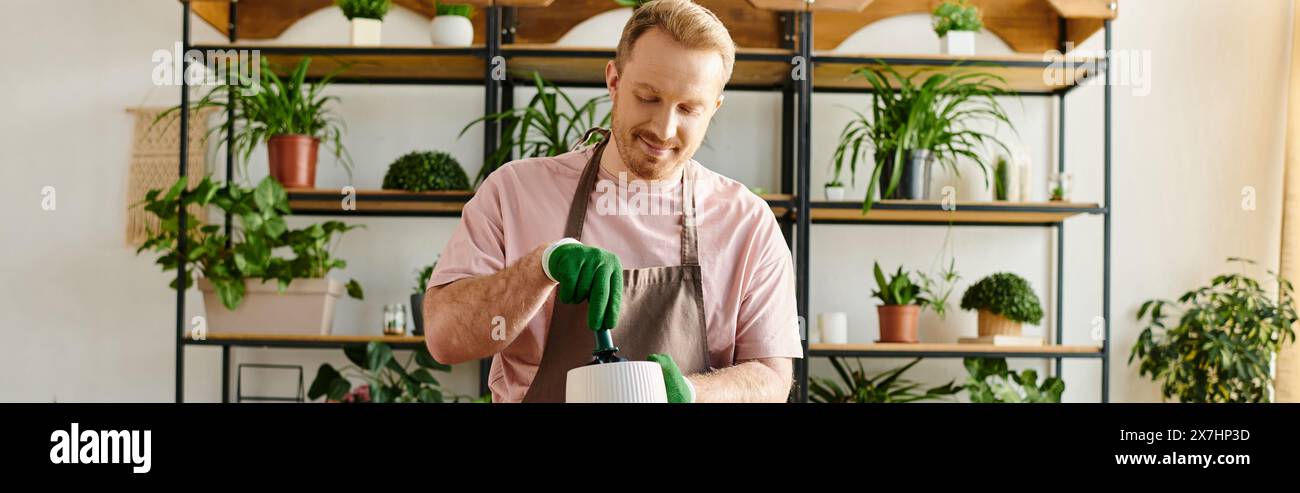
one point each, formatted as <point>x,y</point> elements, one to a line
<point>306,307</point>
<point>293,160</point>
<point>898,322</point>
<point>992,324</point>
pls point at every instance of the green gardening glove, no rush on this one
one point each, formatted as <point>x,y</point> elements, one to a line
<point>588,274</point>
<point>680,390</point>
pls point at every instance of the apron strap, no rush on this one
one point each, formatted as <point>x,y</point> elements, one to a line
<point>587,183</point>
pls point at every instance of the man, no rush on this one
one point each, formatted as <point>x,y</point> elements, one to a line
<point>534,266</point>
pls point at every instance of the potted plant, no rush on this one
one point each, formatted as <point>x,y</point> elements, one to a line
<point>835,190</point>
<point>423,171</point>
<point>386,380</point>
<point>1217,343</point>
<point>956,22</point>
<point>887,387</point>
<point>289,115</point>
<point>900,306</point>
<point>451,25</point>
<point>417,295</point>
<point>235,269</point>
<point>990,381</point>
<point>367,18</point>
<point>918,123</point>
<point>548,126</point>
<point>1004,301</point>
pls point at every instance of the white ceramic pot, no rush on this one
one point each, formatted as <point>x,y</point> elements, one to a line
<point>834,327</point>
<point>306,307</point>
<point>834,193</point>
<point>365,32</point>
<point>622,382</point>
<point>452,30</point>
<point>959,43</point>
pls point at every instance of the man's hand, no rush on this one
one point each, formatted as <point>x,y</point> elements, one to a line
<point>678,387</point>
<point>588,274</point>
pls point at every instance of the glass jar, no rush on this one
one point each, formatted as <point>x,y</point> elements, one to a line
<point>1059,185</point>
<point>395,319</point>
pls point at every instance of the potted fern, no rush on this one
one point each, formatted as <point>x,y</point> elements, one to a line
<point>289,115</point>
<point>916,121</point>
<point>1004,302</point>
<point>451,26</point>
<point>1217,343</point>
<point>956,22</point>
<point>246,285</point>
<point>367,19</point>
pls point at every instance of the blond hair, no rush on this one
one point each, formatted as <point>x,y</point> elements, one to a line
<point>686,23</point>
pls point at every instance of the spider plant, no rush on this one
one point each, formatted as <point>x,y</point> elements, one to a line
<point>271,106</point>
<point>883,388</point>
<point>547,126</point>
<point>909,113</point>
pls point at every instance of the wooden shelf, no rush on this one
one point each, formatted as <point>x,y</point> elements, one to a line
<point>329,202</point>
<point>303,340</point>
<point>1024,74</point>
<point>917,211</point>
<point>756,68</point>
<point>951,350</point>
<point>376,64</point>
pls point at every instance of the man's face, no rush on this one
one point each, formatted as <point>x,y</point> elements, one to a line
<point>663,101</point>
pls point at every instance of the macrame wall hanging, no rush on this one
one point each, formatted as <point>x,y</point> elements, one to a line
<point>154,153</point>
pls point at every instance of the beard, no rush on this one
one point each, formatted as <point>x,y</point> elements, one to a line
<point>642,165</point>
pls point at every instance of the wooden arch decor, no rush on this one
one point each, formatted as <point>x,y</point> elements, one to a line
<point>1027,26</point>
<point>538,21</point>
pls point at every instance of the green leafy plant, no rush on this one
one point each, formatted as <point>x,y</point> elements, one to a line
<point>268,106</point>
<point>458,9</point>
<point>897,289</point>
<point>364,9</point>
<point>422,277</point>
<point>547,126</point>
<point>909,114</point>
<point>422,171</point>
<point>386,379</point>
<point>989,380</point>
<point>883,388</point>
<point>936,289</point>
<point>1000,179</point>
<point>1058,193</point>
<point>1217,342</point>
<point>249,252</point>
<point>1005,294</point>
<point>956,15</point>
<point>632,3</point>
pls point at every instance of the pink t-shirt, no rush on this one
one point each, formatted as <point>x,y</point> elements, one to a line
<point>749,284</point>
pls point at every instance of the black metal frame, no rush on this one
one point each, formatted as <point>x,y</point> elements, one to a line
<point>796,130</point>
<point>239,384</point>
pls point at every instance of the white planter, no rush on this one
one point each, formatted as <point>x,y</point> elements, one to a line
<point>834,193</point>
<point>365,32</point>
<point>959,43</point>
<point>452,30</point>
<point>621,382</point>
<point>306,308</point>
<point>834,327</point>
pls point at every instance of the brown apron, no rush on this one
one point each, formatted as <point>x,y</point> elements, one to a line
<point>662,310</point>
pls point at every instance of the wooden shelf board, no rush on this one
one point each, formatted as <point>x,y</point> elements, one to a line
<point>378,201</point>
<point>818,6</point>
<point>755,67</point>
<point>308,338</point>
<point>1023,73</point>
<point>931,347</point>
<point>377,64</point>
<point>965,212</point>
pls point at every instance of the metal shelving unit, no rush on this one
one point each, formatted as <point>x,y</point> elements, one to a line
<point>757,70</point>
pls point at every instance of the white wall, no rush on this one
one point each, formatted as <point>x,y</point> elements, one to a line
<point>83,319</point>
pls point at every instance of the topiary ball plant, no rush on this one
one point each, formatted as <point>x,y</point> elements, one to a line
<point>1004,294</point>
<point>422,171</point>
